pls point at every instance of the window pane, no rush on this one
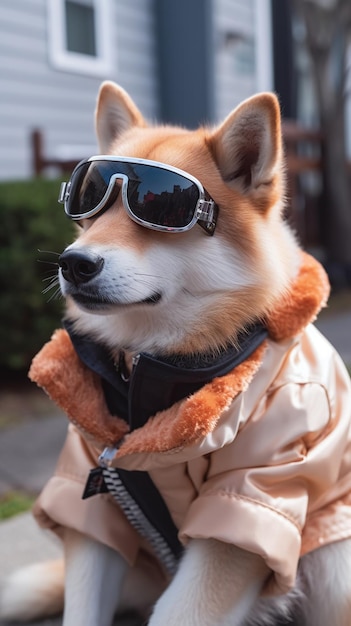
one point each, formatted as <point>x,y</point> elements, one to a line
<point>80,28</point>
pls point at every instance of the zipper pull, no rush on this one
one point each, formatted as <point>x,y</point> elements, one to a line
<point>122,368</point>
<point>106,457</point>
<point>135,360</point>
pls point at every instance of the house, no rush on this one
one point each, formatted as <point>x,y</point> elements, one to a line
<point>185,62</point>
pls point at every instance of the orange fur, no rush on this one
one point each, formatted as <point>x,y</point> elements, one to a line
<point>301,305</point>
<point>162,293</point>
<point>187,422</point>
<point>240,165</point>
<point>78,391</point>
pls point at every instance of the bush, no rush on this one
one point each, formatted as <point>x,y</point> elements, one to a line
<point>34,230</point>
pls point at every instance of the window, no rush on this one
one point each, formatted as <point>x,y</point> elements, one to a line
<point>79,36</point>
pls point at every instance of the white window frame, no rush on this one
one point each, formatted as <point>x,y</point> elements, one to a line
<point>63,59</point>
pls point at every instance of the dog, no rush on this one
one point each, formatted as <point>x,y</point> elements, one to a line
<point>190,304</point>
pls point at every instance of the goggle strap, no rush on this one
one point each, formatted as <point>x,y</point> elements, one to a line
<point>63,192</point>
<point>207,213</point>
<point>205,210</point>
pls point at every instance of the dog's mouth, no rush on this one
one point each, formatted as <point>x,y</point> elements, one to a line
<point>94,302</point>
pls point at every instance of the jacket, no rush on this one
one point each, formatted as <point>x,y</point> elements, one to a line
<point>259,457</point>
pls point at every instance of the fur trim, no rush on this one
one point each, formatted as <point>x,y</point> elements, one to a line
<point>302,303</point>
<point>75,389</point>
<point>78,391</point>
<point>192,419</point>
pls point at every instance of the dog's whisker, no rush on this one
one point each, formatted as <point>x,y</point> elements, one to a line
<point>56,295</point>
<point>190,293</point>
<point>48,262</point>
<point>50,274</point>
<point>149,275</point>
<point>153,276</point>
<point>201,414</point>
<point>49,252</point>
<point>49,277</point>
<point>54,283</point>
<point>139,291</point>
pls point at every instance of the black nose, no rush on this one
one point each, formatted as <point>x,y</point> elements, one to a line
<point>79,267</point>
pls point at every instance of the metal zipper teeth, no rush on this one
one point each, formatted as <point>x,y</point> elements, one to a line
<point>138,520</point>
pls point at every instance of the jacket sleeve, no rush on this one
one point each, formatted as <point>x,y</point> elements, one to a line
<point>260,488</point>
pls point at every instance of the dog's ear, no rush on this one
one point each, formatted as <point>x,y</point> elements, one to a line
<point>115,113</point>
<point>247,146</point>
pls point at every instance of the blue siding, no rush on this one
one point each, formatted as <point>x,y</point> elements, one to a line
<point>36,95</point>
<point>235,72</point>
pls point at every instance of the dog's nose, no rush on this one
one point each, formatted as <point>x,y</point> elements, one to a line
<point>79,267</point>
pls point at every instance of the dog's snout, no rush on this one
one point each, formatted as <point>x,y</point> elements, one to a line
<point>79,267</point>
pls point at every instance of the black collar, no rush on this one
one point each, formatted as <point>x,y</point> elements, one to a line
<point>156,383</point>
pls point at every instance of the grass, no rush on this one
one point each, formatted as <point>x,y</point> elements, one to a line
<point>13,503</point>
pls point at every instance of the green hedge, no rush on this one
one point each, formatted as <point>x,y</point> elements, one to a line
<point>32,227</point>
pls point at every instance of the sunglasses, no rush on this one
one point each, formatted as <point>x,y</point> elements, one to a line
<point>155,195</point>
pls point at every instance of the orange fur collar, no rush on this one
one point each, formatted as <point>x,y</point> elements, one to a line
<point>77,390</point>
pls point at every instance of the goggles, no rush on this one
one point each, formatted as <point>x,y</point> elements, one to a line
<point>155,195</point>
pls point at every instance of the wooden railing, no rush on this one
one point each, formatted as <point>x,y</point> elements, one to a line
<point>294,135</point>
<point>303,148</point>
<point>64,161</point>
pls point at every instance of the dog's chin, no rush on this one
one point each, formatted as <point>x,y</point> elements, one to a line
<point>102,306</point>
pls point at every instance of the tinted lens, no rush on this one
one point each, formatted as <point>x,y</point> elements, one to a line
<point>155,195</point>
<point>89,184</point>
<point>160,197</point>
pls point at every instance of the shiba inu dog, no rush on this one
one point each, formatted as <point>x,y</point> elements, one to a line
<point>210,420</point>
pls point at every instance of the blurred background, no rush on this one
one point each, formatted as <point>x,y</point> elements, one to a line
<point>184,62</point>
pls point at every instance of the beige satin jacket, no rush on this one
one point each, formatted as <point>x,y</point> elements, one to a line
<point>260,458</point>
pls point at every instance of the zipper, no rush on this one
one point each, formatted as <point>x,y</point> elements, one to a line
<point>121,367</point>
<point>133,512</point>
<point>135,361</point>
<point>138,519</point>
<point>130,507</point>
<point>106,457</point>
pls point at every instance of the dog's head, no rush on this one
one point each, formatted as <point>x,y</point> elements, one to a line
<point>140,289</point>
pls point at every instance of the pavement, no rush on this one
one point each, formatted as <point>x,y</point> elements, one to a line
<point>28,454</point>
